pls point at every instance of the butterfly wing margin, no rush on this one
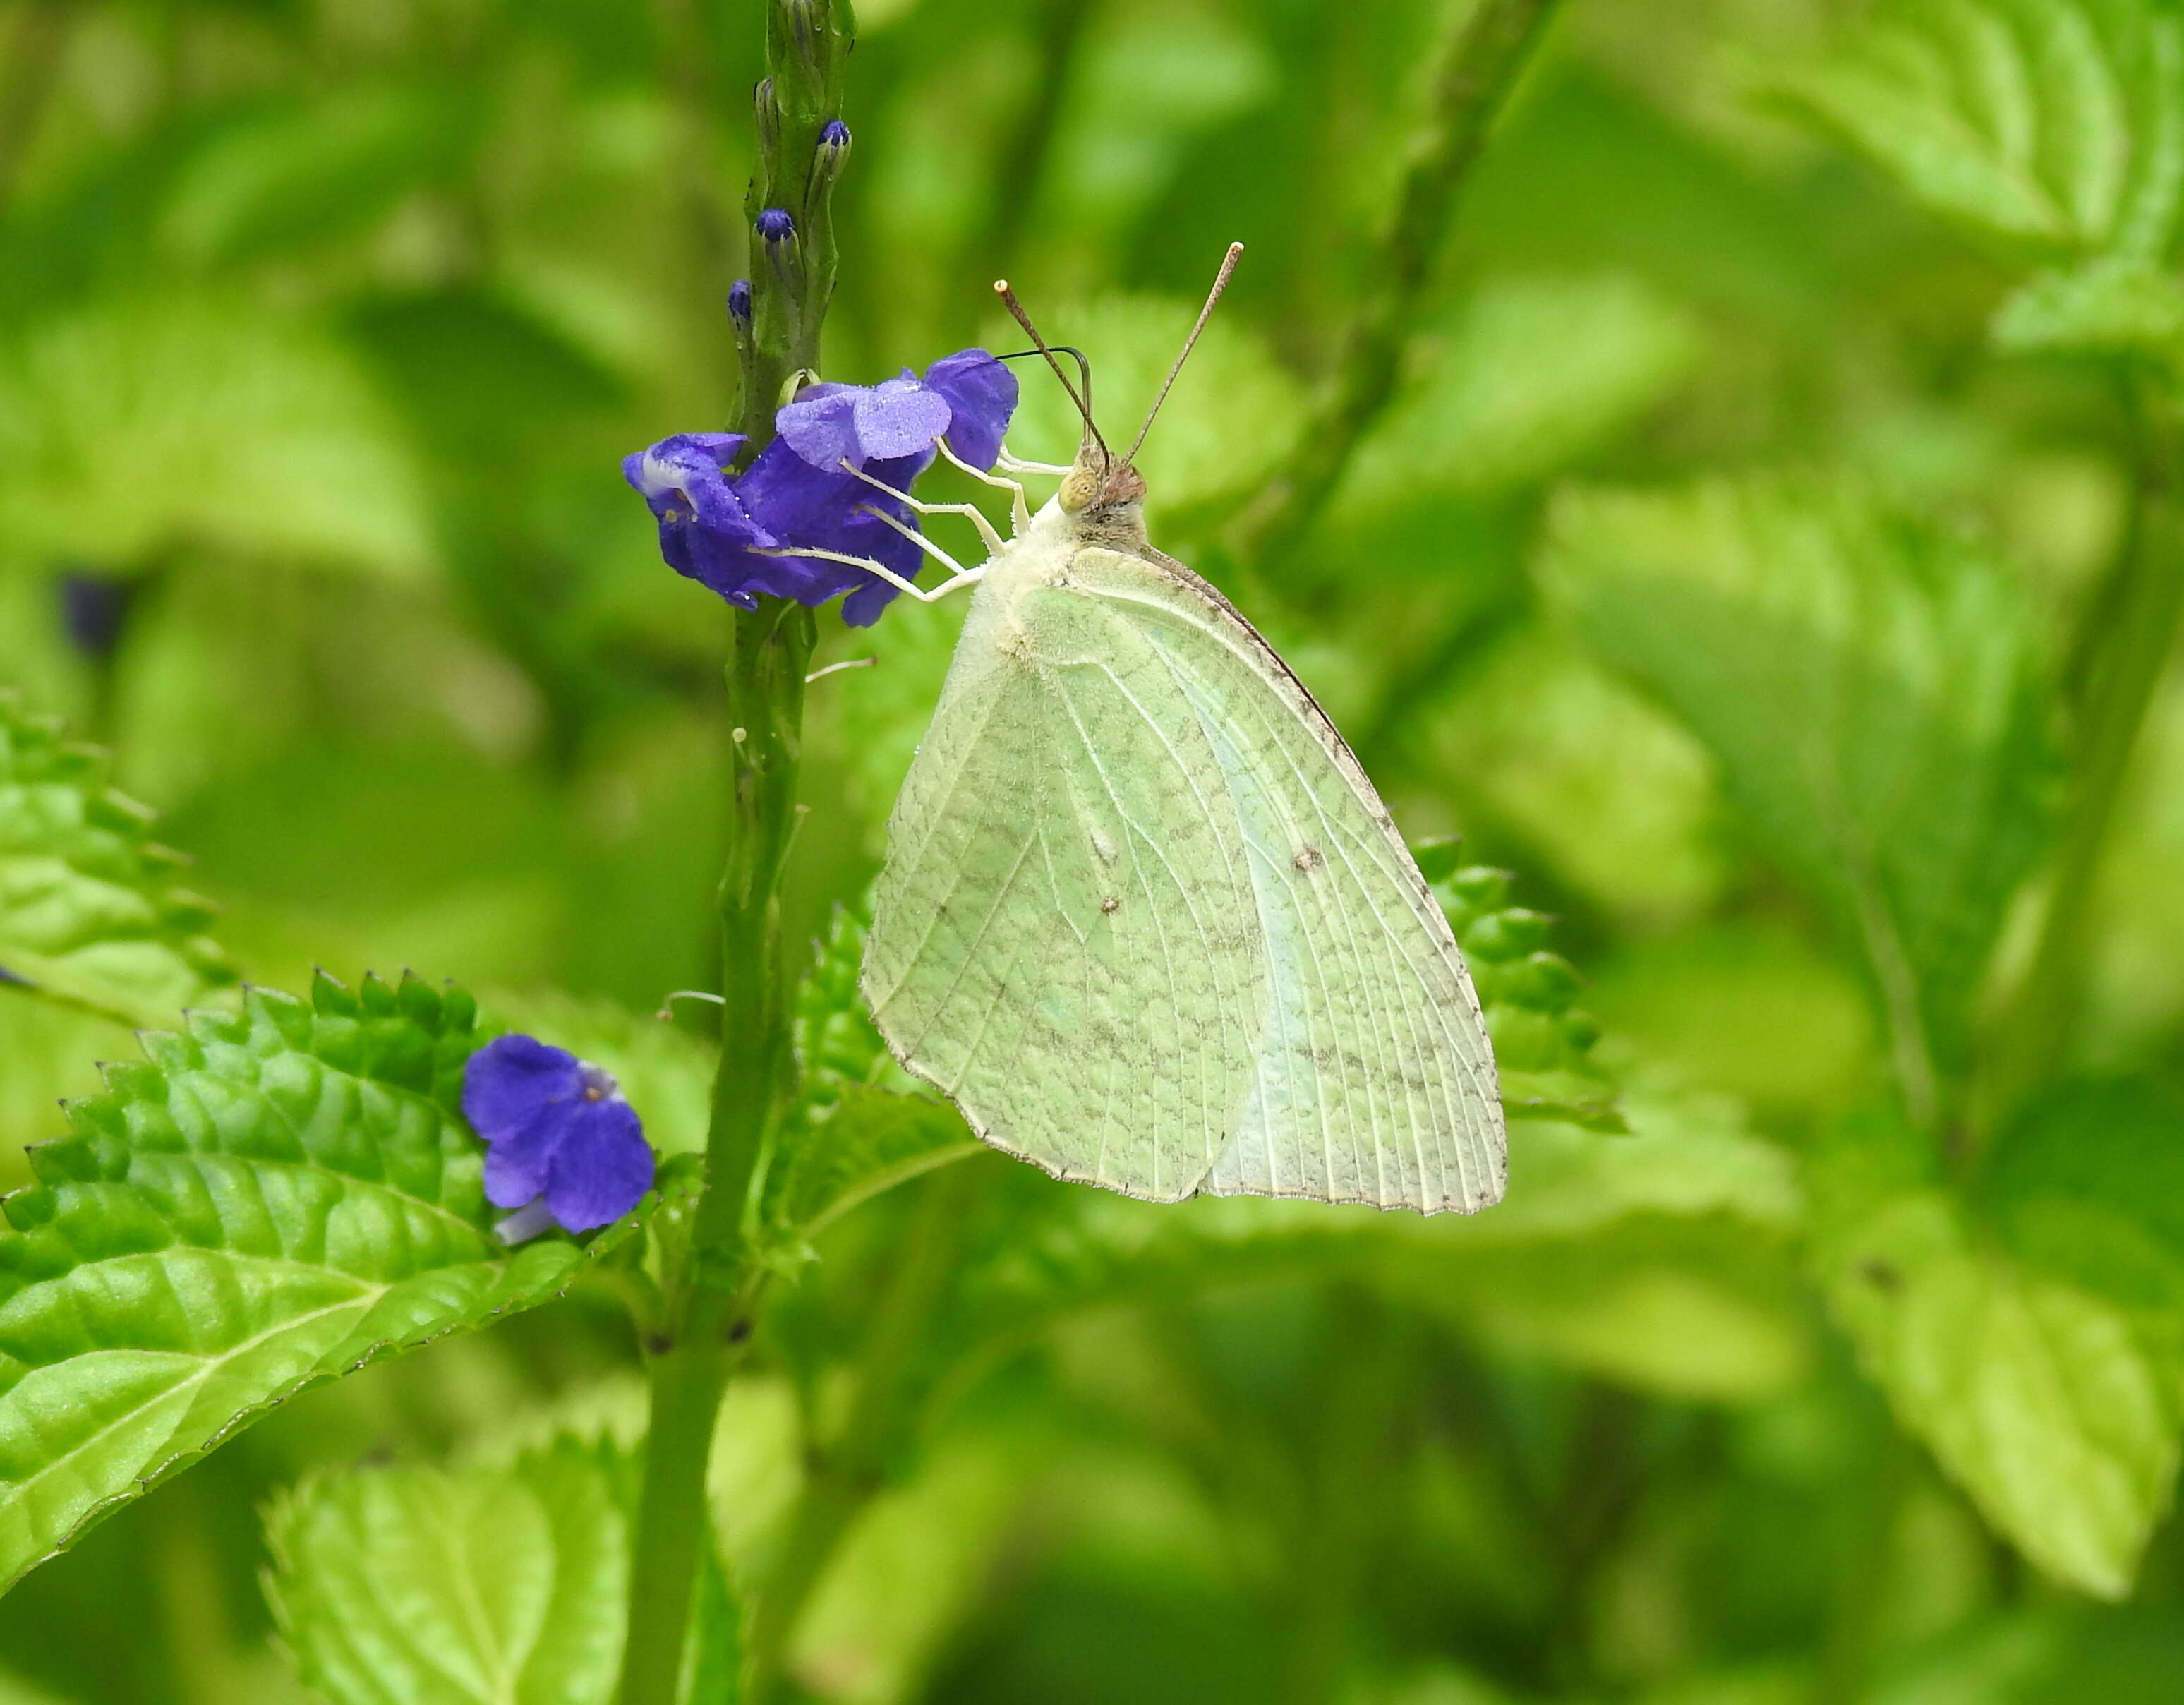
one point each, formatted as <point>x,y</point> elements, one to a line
<point>1376,1079</point>
<point>1064,937</point>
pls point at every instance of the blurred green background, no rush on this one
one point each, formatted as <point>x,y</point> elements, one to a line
<point>324,325</point>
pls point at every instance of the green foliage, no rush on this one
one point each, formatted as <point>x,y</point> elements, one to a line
<point>1658,1257</point>
<point>1542,1042</point>
<point>1529,375</point>
<point>89,910</point>
<point>1871,688</point>
<point>864,1125</point>
<point>2046,1381</point>
<point>2058,122</point>
<point>486,1586</point>
<point>2112,304</point>
<point>243,431</point>
<point>324,328</point>
<point>283,177</point>
<point>275,1198</point>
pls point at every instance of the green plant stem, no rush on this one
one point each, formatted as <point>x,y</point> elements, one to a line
<point>1489,51</point>
<point>716,1285</point>
<point>753,1080</point>
<point>845,1477</point>
<point>752,1084</point>
<point>2138,610</point>
<point>687,1384</point>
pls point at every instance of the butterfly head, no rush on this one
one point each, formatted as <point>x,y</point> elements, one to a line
<point>1099,487</point>
<point>1105,493</point>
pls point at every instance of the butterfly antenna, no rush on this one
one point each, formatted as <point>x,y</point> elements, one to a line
<point>1220,283</point>
<point>1084,398</point>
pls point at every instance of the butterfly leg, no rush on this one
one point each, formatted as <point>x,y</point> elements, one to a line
<point>959,574</point>
<point>1019,510</point>
<point>923,594</point>
<point>994,540</point>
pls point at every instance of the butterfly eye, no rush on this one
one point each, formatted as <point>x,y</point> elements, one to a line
<point>1080,489</point>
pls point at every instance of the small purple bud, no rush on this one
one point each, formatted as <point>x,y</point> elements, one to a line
<point>739,302</point>
<point>775,225</point>
<point>826,159</point>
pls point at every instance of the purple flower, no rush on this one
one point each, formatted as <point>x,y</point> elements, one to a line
<point>775,225</point>
<point>562,1147</point>
<point>715,526</point>
<point>739,302</point>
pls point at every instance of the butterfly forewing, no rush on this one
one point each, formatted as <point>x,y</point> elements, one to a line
<point>1144,918</point>
<point>1375,1079</point>
<point>1065,937</point>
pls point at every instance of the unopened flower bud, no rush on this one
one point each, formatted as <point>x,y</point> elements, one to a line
<point>739,303</point>
<point>827,158</point>
<point>769,119</point>
<point>775,226</point>
<point>804,27</point>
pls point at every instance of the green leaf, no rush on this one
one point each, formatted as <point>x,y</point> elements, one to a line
<point>2041,1399</point>
<point>278,1197</point>
<point>1871,688</point>
<point>491,1585</point>
<point>2089,1183</point>
<point>1608,1253</point>
<point>2112,304</point>
<point>310,465</point>
<point>2059,122</point>
<point>864,1125</point>
<point>1541,1040</point>
<point>1526,376</point>
<point>288,175</point>
<point>1661,1260</point>
<point>1611,795</point>
<point>2033,1336</point>
<point>90,911</point>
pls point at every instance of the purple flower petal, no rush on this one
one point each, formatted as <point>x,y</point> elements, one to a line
<point>510,1078</point>
<point>516,1172</point>
<point>982,396</point>
<point>898,417</point>
<point>602,1168</point>
<point>821,425</point>
<point>828,425</point>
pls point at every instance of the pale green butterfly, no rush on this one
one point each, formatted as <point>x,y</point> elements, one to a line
<point>1143,916</point>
